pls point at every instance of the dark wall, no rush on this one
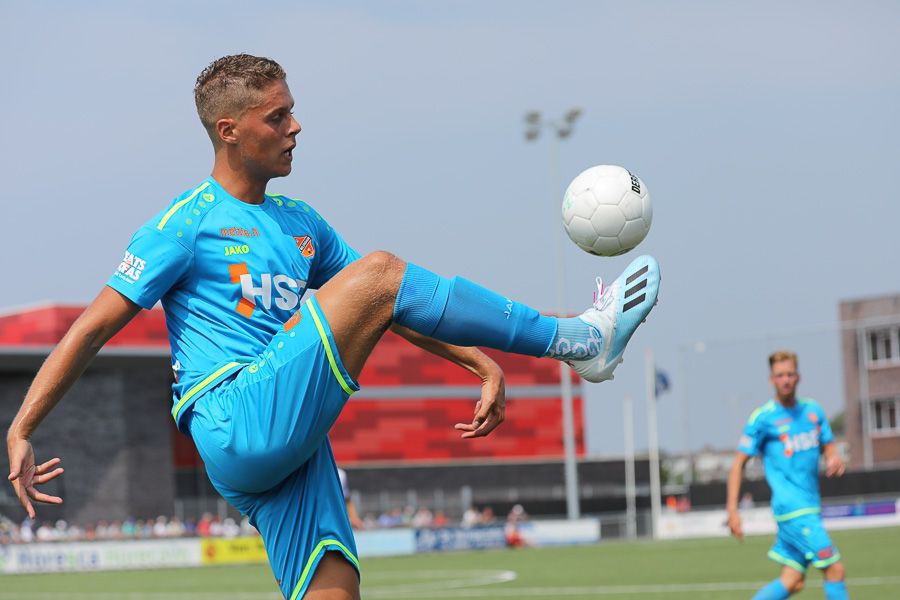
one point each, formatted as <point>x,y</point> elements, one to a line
<point>856,483</point>
<point>113,434</point>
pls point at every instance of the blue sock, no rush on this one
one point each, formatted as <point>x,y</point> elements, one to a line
<point>773,591</point>
<point>835,590</point>
<point>575,339</point>
<point>463,313</point>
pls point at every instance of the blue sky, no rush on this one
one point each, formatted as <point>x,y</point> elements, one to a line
<point>767,133</point>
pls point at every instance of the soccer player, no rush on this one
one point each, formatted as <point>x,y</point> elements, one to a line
<point>790,433</point>
<point>261,375</point>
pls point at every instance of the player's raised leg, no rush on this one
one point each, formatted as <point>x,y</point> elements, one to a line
<point>362,301</point>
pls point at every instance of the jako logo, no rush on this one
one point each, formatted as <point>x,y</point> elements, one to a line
<point>231,250</point>
<point>132,266</point>
<point>287,290</point>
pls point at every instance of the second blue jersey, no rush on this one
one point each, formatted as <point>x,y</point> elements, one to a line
<point>229,274</point>
<point>789,441</point>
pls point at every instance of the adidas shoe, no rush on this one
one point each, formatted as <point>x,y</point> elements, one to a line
<point>616,314</point>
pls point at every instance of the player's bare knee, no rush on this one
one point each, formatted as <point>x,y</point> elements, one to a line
<point>797,586</point>
<point>384,270</point>
<point>835,572</point>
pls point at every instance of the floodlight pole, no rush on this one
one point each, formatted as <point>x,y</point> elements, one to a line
<point>562,129</point>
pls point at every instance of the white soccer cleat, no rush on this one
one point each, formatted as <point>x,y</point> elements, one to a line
<point>616,314</point>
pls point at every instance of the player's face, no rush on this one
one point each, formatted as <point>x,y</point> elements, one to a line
<point>267,133</point>
<point>784,378</point>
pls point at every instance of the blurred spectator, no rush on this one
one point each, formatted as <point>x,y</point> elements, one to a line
<point>203,525</point>
<point>746,500</point>
<point>352,515</point>
<point>246,528</point>
<point>26,533</point>
<point>393,518</point>
<point>159,527</point>
<point>440,520</point>
<point>215,527</point>
<point>422,518</point>
<point>487,516</point>
<point>515,516</point>
<point>471,517</point>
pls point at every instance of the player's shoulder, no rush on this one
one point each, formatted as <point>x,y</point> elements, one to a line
<point>186,213</point>
<point>294,207</point>
<point>763,412</point>
<point>810,405</point>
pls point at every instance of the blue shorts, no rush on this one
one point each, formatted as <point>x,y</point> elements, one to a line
<point>802,541</point>
<point>263,436</point>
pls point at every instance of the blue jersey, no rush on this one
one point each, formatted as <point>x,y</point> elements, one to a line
<point>789,441</point>
<point>229,274</point>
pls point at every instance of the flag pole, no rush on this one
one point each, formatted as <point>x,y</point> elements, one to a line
<point>653,444</point>
<point>630,492</point>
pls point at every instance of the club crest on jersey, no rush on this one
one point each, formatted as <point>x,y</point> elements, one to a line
<point>305,245</point>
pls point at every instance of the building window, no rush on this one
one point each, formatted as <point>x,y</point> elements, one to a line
<point>884,415</point>
<point>883,346</point>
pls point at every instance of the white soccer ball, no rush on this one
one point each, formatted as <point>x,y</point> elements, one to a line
<point>606,210</point>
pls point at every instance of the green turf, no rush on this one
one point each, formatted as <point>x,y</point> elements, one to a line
<point>720,569</point>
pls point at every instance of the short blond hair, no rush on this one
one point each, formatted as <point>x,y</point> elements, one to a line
<point>782,355</point>
<point>231,84</point>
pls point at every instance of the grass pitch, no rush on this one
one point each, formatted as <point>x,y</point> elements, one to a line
<point>710,569</point>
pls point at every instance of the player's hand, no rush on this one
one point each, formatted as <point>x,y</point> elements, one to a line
<point>734,524</point>
<point>834,466</point>
<point>25,474</point>
<point>490,410</point>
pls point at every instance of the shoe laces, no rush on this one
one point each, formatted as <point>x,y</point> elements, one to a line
<point>599,292</point>
<point>602,297</point>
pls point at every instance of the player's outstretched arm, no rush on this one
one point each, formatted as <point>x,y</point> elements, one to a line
<point>106,315</point>
<point>490,410</point>
<point>734,490</point>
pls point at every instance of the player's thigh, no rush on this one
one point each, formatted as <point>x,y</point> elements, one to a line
<point>261,426</point>
<point>335,579</point>
<point>303,521</point>
<point>359,302</point>
<point>786,552</point>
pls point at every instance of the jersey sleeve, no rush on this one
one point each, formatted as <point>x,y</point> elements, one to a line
<point>152,264</point>
<point>753,437</point>
<point>333,255</point>
<point>826,436</point>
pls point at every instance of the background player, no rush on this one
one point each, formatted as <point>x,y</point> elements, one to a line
<point>262,376</point>
<point>790,433</point>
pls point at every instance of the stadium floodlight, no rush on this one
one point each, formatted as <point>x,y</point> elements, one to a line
<point>563,128</point>
<point>533,117</point>
<point>572,115</point>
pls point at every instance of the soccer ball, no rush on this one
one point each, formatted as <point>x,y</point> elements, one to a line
<point>606,210</point>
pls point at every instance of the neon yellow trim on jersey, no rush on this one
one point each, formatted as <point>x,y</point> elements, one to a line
<point>312,558</point>
<point>797,513</point>
<point>767,407</point>
<point>787,562</point>
<point>328,351</point>
<point>179,204</point>
<point>200,386</point>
